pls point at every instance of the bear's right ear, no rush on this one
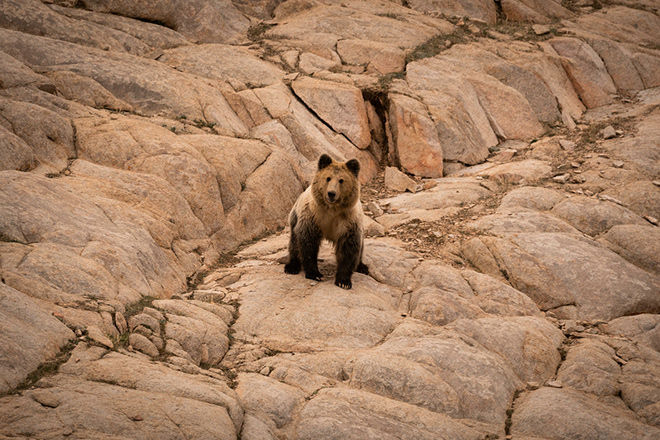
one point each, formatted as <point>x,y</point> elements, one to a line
<point>324,161</point>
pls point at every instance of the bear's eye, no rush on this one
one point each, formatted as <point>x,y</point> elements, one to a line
<point>328,179</point>
<point>341,181</point>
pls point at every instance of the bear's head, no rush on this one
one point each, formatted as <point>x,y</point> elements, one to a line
<point>336,184</point>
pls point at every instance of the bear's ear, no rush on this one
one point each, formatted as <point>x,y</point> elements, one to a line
<point>324,161</point>
<point>353,166</point>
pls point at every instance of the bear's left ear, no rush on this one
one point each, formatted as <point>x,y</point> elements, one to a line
<point>353,166</point>
<point>324,161</point>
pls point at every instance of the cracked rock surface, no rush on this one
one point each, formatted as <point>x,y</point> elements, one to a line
<point>150,154</point>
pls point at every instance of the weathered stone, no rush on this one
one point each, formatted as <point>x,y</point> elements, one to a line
<point>608,132</point>
<point>621,23</point>
<point>15,153</point>
<point>559,269</point>
<point>480,10</point>
<point>345,412</point>
<point>590,367</point>
<point>121,410</point>
<point>86,91</point>
<point>275,311</point>
<point>511,223</point>
<point>346,23</point>
<point>390,264</point>
<point>205,343</point>
<point>638,244</point>
<point>647,66</point>
<point>440,307</point>
<point>535,91</point>
<point>195,310</point>
<point>145,320</point>
<point>416,142</point>
<point>641,150</point>
<point>48,134</point>
<point>152,34</point>
<point>310,63</point>
<point>536,11</point>
<point>96,335</point>
<point>642,328</point>
<point>223,62</point>
<point>339,105</point>
<point>619,63</point>
<point>529,344</point>
<point>379,58</point>
<point>419,369</point>
<point>447,193</point>
<point>263,395</point>
<point>219,22</point>
<point>398,181</point>
<point>497,298</point>
<point>530,198</point>
<point>148,86</point>
<point>142,344</point>
<point>34,17</point>
<point>562,413</point>
<point>29,337</point>
<point>454,105</point>
<point>526,171</point>
<point>586,70</point>
<point>592,216</point>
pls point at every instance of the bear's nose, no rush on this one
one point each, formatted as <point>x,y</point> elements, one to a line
<point>331,195</point>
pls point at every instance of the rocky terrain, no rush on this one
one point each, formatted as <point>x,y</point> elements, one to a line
<point>150,153</point>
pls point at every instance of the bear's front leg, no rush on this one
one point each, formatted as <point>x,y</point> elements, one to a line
<point>348,255</point>
<point>309,240</point>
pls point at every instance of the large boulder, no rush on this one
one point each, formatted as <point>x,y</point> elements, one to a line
<point>217,21</point>
<point>359,415</point>
<point>36,18</point>
<point>339,105</point>
<point>559,270</point>
<point>149,86</point>
<point>482,10</point>
<point>586,70</point>
<point>536,11</point>
<point>29,337</point>
<point>416,141</point>
<point>223,62</point>
<point>557,414</point>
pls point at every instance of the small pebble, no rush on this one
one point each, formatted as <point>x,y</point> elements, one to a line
<point>618,164</point>
<point>567,145</point>
<point>652,220</point>
<point>608,132</point>
<point>562,178</point>
<point>554,383</point>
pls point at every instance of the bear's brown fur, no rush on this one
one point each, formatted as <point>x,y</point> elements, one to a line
<point>330,208</point>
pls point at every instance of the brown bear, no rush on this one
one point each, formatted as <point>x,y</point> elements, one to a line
<point>329,208</point>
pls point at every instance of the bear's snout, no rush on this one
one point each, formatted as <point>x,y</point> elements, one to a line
<point>332,196</point>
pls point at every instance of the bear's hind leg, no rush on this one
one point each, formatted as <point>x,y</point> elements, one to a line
<point>362,268</point>
<point>293,266</point>
<point>348,251</point>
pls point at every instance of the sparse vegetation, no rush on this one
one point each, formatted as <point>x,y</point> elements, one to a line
<point>135,308</point>
<point>200,123</point>
<point>385,81</point>
<point>257,32</point>
<point>47,368</point>
<point>592,133</point>
<point>433,46</point>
